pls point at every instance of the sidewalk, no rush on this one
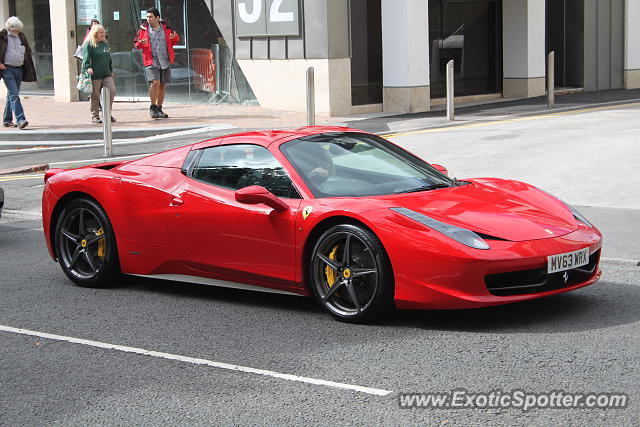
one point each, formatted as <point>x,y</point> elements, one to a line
<point>69,122</point>
<point>50,120</point>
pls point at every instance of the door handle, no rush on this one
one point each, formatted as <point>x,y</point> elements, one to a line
<point>176,201</point>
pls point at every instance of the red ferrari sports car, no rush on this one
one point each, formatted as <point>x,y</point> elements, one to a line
<point>337,213</point>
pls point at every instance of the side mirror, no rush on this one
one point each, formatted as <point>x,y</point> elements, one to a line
<point>255,195</point>
<point>441,169</point>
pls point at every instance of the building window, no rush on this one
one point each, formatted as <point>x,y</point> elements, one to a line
<point>366,52</point>
<point>35,16</point>
<point>470,33</point>
<point>204,70</point>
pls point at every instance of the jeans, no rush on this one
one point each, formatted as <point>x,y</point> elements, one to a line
<point>12,79</point>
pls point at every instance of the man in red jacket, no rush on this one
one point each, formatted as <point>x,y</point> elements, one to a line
<point>156,39</point>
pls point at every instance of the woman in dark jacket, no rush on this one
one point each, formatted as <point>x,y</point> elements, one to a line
<point>16,66</point>
<point>97,62</point>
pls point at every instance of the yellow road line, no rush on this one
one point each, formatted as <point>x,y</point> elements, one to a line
<point>19,177</point>
<point>514,120</point>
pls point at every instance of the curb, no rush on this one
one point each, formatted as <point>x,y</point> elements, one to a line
<point>524,115</point>
<point>90,134</point>
<point>620,261</point>
<point>25,169</point>
<point>214,132</point>
<point>41,146</point>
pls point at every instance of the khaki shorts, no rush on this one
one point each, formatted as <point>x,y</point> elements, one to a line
<point>152,73</point>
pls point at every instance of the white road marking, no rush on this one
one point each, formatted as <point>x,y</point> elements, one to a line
<point>197,361</point>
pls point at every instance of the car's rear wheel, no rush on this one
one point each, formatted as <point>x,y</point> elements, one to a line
<point>351,275</point>
<point>86,245</point>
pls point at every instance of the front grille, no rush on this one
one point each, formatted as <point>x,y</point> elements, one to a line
<point>525,282</point>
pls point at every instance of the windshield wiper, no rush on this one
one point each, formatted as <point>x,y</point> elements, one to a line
<point>458,183</point>
<point>424,188</point>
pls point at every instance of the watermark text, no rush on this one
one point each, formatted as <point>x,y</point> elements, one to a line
<point>519,399</point>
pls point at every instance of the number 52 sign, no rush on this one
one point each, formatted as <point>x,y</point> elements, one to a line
<point>267,18</point>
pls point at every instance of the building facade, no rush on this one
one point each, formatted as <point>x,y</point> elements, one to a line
<point>368,55</point>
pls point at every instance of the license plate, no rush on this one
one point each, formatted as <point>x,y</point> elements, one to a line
<point>567,261</point>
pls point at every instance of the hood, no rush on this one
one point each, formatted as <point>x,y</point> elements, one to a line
<point>505,209</point>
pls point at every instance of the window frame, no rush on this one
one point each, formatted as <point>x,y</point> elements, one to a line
<point>192,161</point>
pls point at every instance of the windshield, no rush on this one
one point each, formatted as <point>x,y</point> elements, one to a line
<point>351,164</point>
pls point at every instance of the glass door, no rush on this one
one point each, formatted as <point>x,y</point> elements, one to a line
<point>35,16</point>
<point>174,13</point>
<point>366,52</point>
<point>204,70</point>
<point>122,19</point>
<point>470,33</point>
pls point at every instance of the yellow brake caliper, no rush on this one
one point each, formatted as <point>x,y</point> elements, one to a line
<point>101,243</point>
<point>331,274</point>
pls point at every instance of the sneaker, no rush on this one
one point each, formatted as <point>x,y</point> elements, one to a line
<point>153,110</point>
<point>113,119</point>
<point>96,120</point>
<point>10,125</point>
<point>23,124</point>
<point>162,114</point>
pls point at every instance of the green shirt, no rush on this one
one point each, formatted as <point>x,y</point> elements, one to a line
<point>98,58</point>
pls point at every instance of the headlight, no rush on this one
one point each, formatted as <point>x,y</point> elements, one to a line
<point>578,216</point>
<point>462,235</point>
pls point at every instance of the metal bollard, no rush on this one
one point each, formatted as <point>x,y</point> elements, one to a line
<point>450,92</point>
<point>551,71</point>
<point>311,98</point>
<point>106,121</point>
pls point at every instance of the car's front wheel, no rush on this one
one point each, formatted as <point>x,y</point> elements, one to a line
<point>86,245</point>
<point>351,275</point>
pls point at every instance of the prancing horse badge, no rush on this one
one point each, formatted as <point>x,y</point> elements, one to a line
<point>307,211</point>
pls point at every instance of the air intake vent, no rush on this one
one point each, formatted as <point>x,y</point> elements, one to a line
<point>537,280</point>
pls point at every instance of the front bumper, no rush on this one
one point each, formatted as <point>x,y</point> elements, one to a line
<point>504,274</point>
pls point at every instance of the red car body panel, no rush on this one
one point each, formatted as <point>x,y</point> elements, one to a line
<point>251,240</point>
<point>168,223</point>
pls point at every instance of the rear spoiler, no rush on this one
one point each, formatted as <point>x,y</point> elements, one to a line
<point>50,172</point>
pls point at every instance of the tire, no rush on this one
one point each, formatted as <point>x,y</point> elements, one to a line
<point>358,288</point>
<point>85,244</point>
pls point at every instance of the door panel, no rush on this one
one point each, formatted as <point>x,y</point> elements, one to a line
<point>212,232</point>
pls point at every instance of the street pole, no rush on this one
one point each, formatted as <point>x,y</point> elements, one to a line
<point>311,98</point>
<point>551,96</point>
<point>450,92</point>
<point>106,121</point>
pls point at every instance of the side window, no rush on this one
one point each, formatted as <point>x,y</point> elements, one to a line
<point>238,166</point>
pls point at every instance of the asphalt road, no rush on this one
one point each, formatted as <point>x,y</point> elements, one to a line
<point>583,341</point>
<point>579,342</point>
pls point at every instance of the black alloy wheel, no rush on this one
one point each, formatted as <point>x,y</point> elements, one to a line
<point>85,244</point>
<point>351,275</point>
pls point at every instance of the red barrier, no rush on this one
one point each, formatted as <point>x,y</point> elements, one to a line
<point>202,63</point>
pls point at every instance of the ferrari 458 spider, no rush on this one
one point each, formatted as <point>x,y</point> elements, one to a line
<point>340,214</point>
